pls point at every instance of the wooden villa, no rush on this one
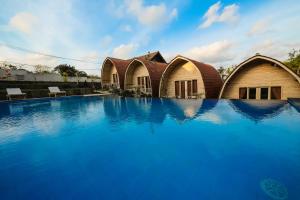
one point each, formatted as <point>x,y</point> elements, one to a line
<point>261,77</point>
<point>185,78</point>
<point>143,74</point>
<point>113,72</point>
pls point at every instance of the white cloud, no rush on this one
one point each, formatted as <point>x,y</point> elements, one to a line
<point>152,15</point>
<point>126,28</point>
<point>213,53</point>
<point>24,22</point>
<point>91,56</point>
<point>115,8</point>
<point>259,27</point>
<point>262,46</point>
<point>174,13</point>
<point>55,33</point>
<point>106,41</point>
<point>124,51</point>
<point>229,14</point>
<point>276,49</point>
<point>168,56</point>
<point>211,117</point>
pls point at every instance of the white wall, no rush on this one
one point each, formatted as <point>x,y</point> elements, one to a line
<point>23,75</point>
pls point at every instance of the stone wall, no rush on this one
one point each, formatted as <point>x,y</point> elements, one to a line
<point>23,75</point>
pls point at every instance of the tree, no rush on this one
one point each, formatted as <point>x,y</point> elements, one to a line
<point>221,70</point>
<point>5,65</point>
<point>293,61</point>
<point>12,67</point>
<point>82,74</point>
<point>225,71</point>
<point>41,69</point>
<point>230,69</point>
<point>94,76</point>
<point>68,70</point>
<point>65,69</point>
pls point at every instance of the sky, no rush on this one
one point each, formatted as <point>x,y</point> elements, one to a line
<point>220,33</point>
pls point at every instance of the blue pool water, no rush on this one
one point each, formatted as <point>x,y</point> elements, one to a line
<point>112,148</point>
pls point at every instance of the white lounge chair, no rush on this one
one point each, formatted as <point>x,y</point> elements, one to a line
<point>56,91</point>
<point>15,92</point>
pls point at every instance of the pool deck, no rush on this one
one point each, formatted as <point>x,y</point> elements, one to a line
<point>87,95</point>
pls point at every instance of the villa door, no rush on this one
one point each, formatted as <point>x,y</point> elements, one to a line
<point>189,89</point>
<point>182,89</point>
<point>276,93</point>
<point>177,93</point>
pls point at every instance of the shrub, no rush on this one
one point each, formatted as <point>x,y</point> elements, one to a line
<point>127,93</point>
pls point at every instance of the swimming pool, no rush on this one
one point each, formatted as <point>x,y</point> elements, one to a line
<point>117,148</point>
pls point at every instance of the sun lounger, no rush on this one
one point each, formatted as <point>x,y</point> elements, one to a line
<point>55,91</point>
<point>15,92</point>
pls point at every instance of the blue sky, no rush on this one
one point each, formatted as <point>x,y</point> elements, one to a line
<point>221,33</point>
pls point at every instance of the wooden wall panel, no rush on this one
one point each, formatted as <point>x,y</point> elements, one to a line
<point>186,71</point>
<point>136,71</point>
<point>263,75</point>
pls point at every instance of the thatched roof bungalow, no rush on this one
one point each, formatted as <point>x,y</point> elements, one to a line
<point>113,72</point>
<point>113,69</point>
<point>143,74</point>
<point>187,78</point>
<point>261,77</point>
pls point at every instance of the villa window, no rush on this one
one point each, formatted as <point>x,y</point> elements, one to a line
<point>195,87</point>
<point>252,93</point>
<point>20,77</point>
<point>189,88</point>
<point>139,81</point>
<point>186,88</point>
<point>182,89</point>
<point>176,89</point>
<point>243,93</point>
<point>264,93</point>
<point>147,80</point>
<point>275,92</point>
<point>143,82</point>
<point>115,78</point>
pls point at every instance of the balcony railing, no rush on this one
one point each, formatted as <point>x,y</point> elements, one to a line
<point>146,90</point>
<point>139,89</point>
<point>111,85</point>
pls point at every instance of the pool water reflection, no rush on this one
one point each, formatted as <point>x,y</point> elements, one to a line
<point>127,148</point>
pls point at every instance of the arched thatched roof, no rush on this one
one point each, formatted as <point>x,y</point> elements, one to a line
<point>257,59</point>
<point>211,78</point>
<point>121,66</point>
<point>154,56</point>
<point>155,70</point>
